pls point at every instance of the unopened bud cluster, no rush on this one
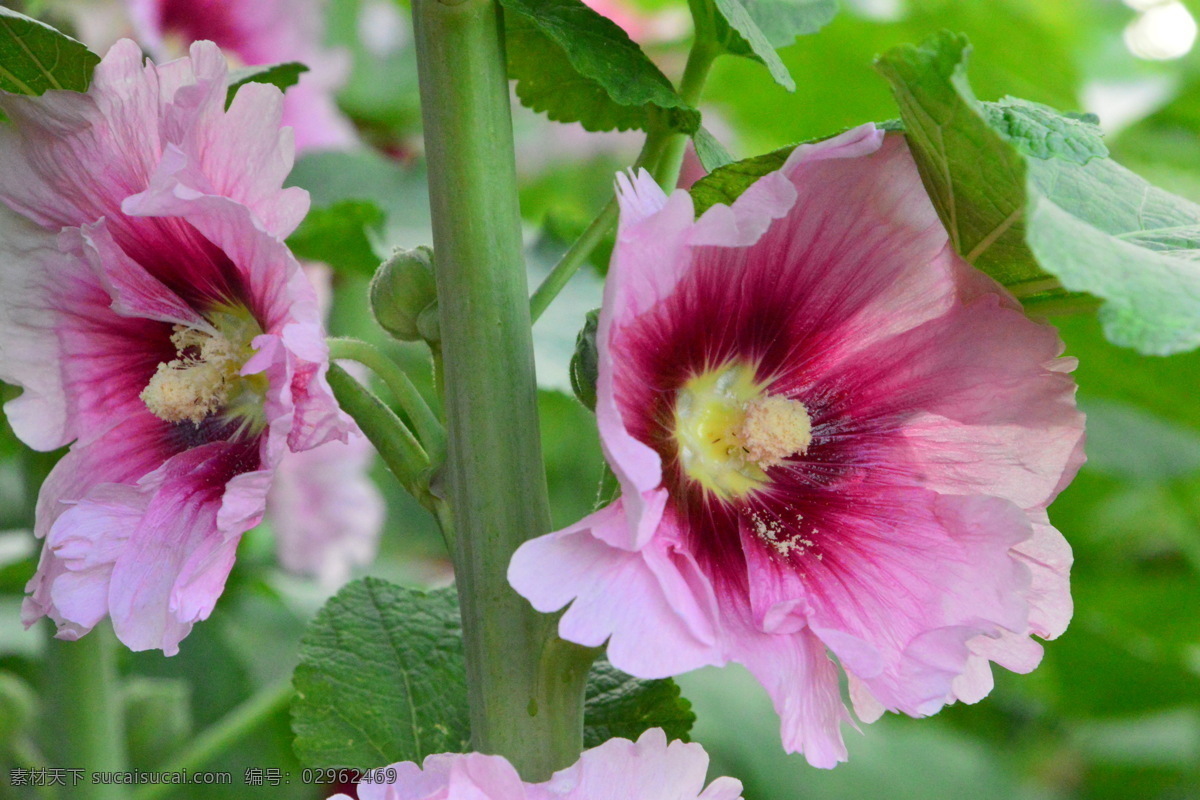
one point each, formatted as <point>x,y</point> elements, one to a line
<point>404,296</point>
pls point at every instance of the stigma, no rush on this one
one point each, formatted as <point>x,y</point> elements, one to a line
<point>775,428</point>
<point>730,430</point>
<point>197,383</point>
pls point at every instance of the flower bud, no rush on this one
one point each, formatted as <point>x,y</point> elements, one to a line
<point>584,364</point>
<point>403,288</point>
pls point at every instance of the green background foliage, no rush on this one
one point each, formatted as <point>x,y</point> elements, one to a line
<point>1114,710</point>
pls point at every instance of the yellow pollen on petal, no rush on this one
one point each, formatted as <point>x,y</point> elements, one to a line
<point>775,428</point>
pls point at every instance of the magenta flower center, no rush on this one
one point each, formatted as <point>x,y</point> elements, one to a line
<point>206,379</point>
<point>730,430</point>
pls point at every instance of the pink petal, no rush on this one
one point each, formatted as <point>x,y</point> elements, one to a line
<point>134,291</point>
<point>88,538</point>
<point>29,347</point>
<point>803,684</point>
<point>994,419</point>
<point>269,32</point>
<point>1048,557</point>
<point>900,627</point>
<point>175,565</point>
<point>642,603</point>
<point>648,769</point>
<point>325,511</point>
<point>47,159</point>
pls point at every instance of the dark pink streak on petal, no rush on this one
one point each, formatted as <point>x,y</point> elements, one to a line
<point>176,539</point>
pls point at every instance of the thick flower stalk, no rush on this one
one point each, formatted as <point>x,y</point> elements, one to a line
<point>832,436</point>
<point>156,321</point>
<point>648,769</point>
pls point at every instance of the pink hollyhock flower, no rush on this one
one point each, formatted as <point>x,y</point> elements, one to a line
<point>664,25</point>
<point>155,318</point>
<point>831,435</point>
<point>262,32</point>
<point>648,769</point>
<point>324,509</point>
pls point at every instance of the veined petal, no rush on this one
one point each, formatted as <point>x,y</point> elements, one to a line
<point>174,567</point>
<point>648,769</point>
<point>878,573</point>
<point>46,158</point>
<point>325,511</point>
<point>157,319</point>
<point>803,684</point>
<point>268,32</point>
<point>637,601</point>
<point>30,266</point>
<point>856,437</point>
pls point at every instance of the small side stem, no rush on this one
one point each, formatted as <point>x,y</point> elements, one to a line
<point>429,427</point>
<point>1028,289</point>
<point>662,154</point>
<point>573,259</point>
<point>1061,306</point>
<point>395,443</point>
<point>240,722</point>
<point>87,714</point>
<point>667,164</point>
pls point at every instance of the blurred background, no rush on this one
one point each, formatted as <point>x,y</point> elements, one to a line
<point>1114,710</point>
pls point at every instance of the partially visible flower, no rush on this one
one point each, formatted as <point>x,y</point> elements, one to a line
<point>645,27</point>
<point>155,318</point>
<point>831,434</point>
<point>261,32</point>
<point>324,509</point>
<point>648,769</point>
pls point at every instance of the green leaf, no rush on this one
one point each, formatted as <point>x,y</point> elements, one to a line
<point>620,705</point>
<point>738,34</point>
<point>1027,196</point>
<point>1039,131</point>
<point>342,235</point>
<point>975,178</point>
<point>709,150</point>
<point>725,184</point>
<point>283,76</point>
<point>756,28</point>
<point>783,20</point>
<point>579,66</point>
<point>381,678</point>
<point>35,58</point>
<point>1103,230</point>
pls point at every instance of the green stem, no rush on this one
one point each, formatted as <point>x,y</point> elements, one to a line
<point>524,704</point>
<point>429,428</point>
<point>695,73</point>
<point>662,154</point>
<point>394,442</point>
<point>1061,306</point>
<point>236,725</point>
<point>26,755</point>
<point>87,717</point>
<point>573,259</point>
